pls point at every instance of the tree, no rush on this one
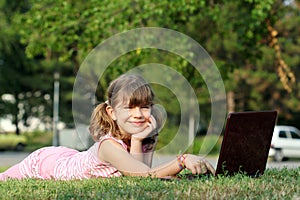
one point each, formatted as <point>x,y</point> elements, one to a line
<point>68,31</point>
<point>19,76</point>
<point>286,42</point>
<point>235,33</point>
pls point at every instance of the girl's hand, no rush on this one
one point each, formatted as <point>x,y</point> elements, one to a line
<point>196,164</point>
<point>149,130</point>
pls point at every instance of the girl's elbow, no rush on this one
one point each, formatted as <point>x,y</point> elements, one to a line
<point>136,174</point>
<point>143,173</point>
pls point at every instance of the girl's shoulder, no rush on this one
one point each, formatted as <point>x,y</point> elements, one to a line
<point>110,137</point>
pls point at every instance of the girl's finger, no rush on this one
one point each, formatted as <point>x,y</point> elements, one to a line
<point>198,169</point>
<point>194,170</point>
<point>152,121</point>
<point>202,166</point>
<point>210,168</point>
<point>203,169</point>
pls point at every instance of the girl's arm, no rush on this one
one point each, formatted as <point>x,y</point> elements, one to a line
<point>143,150</point>
<point>112,152</point>
<point>141,143</point>
<point>136,149</point>
<point>149,145</point>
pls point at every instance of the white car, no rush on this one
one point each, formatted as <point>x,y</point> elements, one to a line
<point>285,143</point>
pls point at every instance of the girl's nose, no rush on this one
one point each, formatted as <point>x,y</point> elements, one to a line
<point>137,112</point>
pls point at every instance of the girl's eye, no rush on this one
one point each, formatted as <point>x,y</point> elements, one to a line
<point>132,107</point>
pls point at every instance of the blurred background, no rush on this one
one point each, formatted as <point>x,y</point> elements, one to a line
<point>255,45</point>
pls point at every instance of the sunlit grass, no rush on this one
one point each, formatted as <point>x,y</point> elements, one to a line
<point>274,184</point>
<point>3,168</point>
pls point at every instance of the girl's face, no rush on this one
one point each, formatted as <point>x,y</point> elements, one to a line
<point>131,119</point>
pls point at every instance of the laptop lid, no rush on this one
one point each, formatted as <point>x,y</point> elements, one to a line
<point>246,143</point>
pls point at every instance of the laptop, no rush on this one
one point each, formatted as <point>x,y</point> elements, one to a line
<point>246,143</point>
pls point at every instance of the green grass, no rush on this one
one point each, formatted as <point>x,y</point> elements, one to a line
<point>274,184</point>
<point>2,169</point>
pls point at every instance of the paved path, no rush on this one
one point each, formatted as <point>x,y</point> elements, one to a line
<point>158,159</point>
<point>8,158</point>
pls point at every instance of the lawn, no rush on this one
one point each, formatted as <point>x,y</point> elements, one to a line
<point>274,184</point>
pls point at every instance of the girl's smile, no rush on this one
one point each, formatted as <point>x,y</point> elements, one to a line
<point>138,123</point>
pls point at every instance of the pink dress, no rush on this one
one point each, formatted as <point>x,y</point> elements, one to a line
<point>62,163</point>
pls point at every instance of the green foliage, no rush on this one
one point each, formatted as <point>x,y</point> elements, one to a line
<point>204,145</point>
<point>2,169</point>
<point>251,26</point>
<point>68,28</point>
<point>58,35</point>
<point>20,77</point>
<point>37,139</point>
<point>256,82</point>
<point>165,137</point>
<point>274,184</point>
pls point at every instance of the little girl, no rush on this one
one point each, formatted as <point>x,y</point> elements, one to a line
<point>125,130</point>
